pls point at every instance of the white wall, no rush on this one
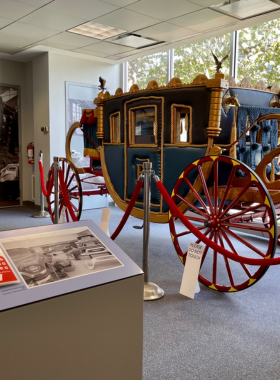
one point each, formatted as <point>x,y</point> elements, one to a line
<point>19,74</point>
<point>69,69</point>
<point>41,116</point>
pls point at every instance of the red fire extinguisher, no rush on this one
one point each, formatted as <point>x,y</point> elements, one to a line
<point>30,153</point>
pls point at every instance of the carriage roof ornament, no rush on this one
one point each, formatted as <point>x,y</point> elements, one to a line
<point>102,82</point>
<point>219,63</point>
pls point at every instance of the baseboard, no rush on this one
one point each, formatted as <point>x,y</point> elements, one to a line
<point>33,205</point>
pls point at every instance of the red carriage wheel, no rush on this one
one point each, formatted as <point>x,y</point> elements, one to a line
<point>227,202</point>
<point>74,190</point>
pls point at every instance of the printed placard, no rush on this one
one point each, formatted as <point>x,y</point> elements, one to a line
<point>191,271</point>
<point>7,275</point>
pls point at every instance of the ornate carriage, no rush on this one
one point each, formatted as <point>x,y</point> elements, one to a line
<point>219,141</point>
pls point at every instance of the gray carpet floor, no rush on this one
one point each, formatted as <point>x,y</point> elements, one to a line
<point>216,336</point>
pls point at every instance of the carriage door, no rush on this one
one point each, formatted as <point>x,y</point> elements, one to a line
<point>143,143</point>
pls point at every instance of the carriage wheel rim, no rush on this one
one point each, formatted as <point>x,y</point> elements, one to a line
<point>72,182</point>
<point>216,225</point>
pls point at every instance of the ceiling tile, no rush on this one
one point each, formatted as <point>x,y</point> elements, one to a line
<point>14,10</point>
<point>57,46</point>
<point>14,40</point>
<point>71,39</point>
<point>36,3</point>
<point>82,8</point>
<point>29,31</point>
<point>203,20</point>
<point>52,20</point>
<point>207,3</point>
<point>120,3</point>
<point>127,20</point>
<point>164,9</point>
<point>8,49</point>
<point>89,52</point>
<point>165,32</point>
<point>108,48</point>
<point>5,22</point>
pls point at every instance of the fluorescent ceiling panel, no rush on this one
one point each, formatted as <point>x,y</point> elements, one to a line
<point>134,41</point>
<point>164,9</point>
<point>53,20</point>
<point>166,32</point>
<point>248,8</point>
<point>126,19</point>
<point>95,30</point>
<point>203,20</point>
<point>88,9</point>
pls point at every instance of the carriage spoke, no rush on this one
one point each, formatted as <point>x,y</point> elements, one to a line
<point>188,232</point>
<point>206,192</point>
<point>234,251</point>
<point>235,200</point>
<point>227,263</point>
<point>67,173</point>
<point>249,209</point>
<point>232,174</point>
<point>72,188</point>
<point>70,180</point>
<point>74,207</point>
<point>206,247</point>
<point>191,205</point>
<point>246,227</point>
<point>228,231</point>
<point>214,274</point>
<point>196,194</point>
<point>216,182</point>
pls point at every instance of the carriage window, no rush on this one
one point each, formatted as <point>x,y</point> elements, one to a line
<point>115,127</point>
<point>143,125</point>
<point>181,121</point>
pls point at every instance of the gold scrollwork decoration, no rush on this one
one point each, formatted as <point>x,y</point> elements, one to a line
<point>107,95</point>
<point>200,79</point>
<point>153,85</point>
<point>134,88</point>
<point>175,82</point>
<point>119,91</point>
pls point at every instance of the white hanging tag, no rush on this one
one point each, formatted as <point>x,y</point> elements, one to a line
<point>62,215</point>
<point>104,223</point>
<point>189,285</point>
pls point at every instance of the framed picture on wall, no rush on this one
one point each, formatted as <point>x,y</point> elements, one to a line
<point>79,96</point>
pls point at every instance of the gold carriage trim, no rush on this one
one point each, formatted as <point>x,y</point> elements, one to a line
<point>93,153</point>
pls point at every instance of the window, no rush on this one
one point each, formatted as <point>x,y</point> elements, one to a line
<point>259,53</point>
<point>192,60</point>
<point>181,122</point>
<point>115,127</point>
<point>143,125</point>
<point>151,67</point>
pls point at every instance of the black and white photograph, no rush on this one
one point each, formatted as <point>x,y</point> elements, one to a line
<point>54,256</point>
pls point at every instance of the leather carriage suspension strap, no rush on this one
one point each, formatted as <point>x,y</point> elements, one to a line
<point>89,139</point>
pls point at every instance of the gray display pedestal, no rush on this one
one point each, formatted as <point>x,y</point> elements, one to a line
<point>92,330</point>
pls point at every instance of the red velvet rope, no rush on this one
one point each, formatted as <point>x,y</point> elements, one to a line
<point>133,199</point>
<point>66,197</point>
<point>45,192</point>
<point>178,214</point>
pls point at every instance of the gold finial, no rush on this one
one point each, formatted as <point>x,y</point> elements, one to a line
<point>219,63</point>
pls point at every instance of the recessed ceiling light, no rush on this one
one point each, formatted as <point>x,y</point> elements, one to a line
<point>247,8</point>
<point>134,41</point>
<point>94,30</point>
